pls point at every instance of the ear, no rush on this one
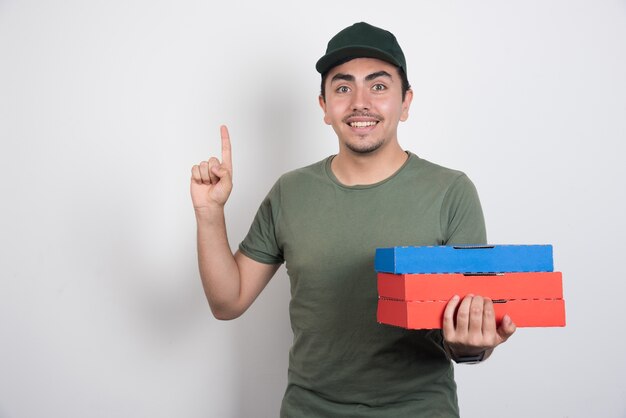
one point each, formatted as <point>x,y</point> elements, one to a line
<point>406,104</point>
<point>323,106</point>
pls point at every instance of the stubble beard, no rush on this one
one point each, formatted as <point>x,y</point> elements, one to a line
<point>363,149</point>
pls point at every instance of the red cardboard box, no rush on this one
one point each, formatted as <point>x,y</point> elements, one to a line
<point>417,301</point>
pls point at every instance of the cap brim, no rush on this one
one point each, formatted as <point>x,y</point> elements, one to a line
<point>342,55</point>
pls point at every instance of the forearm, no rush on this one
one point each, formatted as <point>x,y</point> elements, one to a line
<point>218,269</point>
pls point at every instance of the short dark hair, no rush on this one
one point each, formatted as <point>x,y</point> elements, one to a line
<point>405,82</point>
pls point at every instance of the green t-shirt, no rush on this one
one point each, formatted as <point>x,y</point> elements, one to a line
<point>342,362</point>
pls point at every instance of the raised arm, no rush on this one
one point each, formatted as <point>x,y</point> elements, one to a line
<point>231,281</point>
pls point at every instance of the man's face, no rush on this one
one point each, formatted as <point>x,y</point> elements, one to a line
<point>364,104</point>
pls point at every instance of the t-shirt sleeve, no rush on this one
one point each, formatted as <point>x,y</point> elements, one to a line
<point>260,244</point>
<point>462,220</point>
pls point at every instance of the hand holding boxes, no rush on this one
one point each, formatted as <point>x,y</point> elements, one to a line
<point>416,283</point>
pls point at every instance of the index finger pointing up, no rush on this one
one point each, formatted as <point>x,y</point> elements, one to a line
<point>227,161</point>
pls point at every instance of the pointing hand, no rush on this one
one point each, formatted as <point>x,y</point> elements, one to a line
<point>212,181</point>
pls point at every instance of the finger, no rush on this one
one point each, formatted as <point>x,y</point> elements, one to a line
<point>195,174</point>
<point>506,329</point>
<point>213,163</point>
<point>204,172</point>
<point>227,161</point>
<point>462,315</point>
<point>476,315</point>
<point>489,320</point>
<point>448,317</point>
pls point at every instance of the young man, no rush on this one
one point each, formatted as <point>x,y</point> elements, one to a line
<point>325,221</point>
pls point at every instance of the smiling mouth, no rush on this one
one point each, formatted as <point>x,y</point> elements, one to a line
<point>362,124</point>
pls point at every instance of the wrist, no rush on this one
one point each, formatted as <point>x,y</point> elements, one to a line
<point>470,359</point>
<point>209,212</point>
<point>466,356</point>
<point>466,353</point>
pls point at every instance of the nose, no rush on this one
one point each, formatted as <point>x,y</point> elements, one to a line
<point>360,99</point>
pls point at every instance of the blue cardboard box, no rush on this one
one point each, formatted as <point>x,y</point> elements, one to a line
<point>464,259</point>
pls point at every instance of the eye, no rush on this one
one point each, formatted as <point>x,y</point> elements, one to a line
<point>343,89</point>
<point>379,87</point>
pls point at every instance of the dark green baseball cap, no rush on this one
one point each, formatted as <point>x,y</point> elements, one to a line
<point>361,40</point>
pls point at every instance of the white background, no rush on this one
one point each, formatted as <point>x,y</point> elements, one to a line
<point>105,106</point>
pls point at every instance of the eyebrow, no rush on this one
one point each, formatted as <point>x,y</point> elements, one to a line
<point>350,77</point>
<point>377,74</point>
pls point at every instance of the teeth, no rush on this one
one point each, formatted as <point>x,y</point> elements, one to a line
<point>362,124</point>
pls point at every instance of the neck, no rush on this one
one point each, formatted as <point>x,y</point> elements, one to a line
<point>354,169</point>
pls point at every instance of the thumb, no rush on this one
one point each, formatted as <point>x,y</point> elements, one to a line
<point>222,173</point>
<point>506,329</point>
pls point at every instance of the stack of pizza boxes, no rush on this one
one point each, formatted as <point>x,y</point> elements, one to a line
<point>416,283</point>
